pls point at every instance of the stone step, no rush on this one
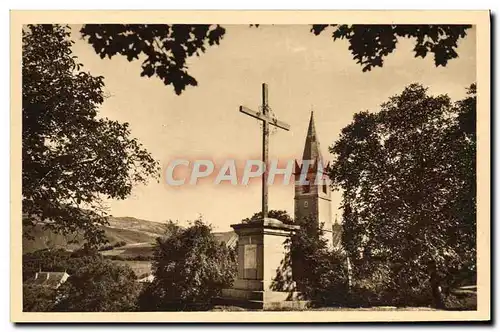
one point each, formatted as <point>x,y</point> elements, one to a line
<point>243,294</point>
<point>247,304</point>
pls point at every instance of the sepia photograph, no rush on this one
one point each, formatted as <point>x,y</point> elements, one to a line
<point>250,166</point>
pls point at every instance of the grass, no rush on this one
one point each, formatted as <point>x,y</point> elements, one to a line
<point>43,239</point>
<point>127,235</point>
<point>462,301</point>
<point>235,308</point>
<point>373,309</point>
<point>132,250</point>
<point>228,308</point>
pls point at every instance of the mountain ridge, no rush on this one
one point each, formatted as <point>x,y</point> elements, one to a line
<point>130,230</point>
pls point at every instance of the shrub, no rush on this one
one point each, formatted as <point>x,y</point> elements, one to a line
<point>99,286</point>
<point>120,244</point>
<point>106,247</point>
<point>320,272</point>
<point>38,298</point>
<point>45,259</point>
<point>191,268</point>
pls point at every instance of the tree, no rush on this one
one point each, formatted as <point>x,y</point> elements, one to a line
<point>45,260</point>
<point>165,48</point>
<point>320,271</point>
<point>71,157</point>
<point>100,286</point>
<point>38,298</point>
<point>281,215</point>
<point>190,267</point>
<point>58,260</point>
<point>408,179</point>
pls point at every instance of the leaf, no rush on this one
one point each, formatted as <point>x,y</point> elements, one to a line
<point>165,48</point>
<point>370,44</point>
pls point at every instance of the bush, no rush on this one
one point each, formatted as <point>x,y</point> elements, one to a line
<point>45,259</point>
<point>461,301</point>
<point>280,215</point>
<point>112,246</point>
<point>38,298</point>
<point>381,283</point>
<point>106,247</point>
<point>145,258</point>
<point>57,260</point>
<point>191,268</point>
<point>320,272</point>
<point>99,286</point>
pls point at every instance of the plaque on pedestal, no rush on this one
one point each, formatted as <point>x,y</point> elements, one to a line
<point>264,278</point>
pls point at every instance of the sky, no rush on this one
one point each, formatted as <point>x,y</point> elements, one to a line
<point>304,72</point>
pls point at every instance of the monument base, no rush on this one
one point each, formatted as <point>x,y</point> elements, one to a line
<point>260,299</point>
<point>264,268</point>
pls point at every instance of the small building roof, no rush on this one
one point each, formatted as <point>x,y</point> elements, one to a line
<point>48,279</point>
<point>229,238</point>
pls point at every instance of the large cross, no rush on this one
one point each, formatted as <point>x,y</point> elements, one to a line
<point>266,120</point>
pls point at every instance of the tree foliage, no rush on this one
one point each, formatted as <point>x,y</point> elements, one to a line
<point>100,286</point>
<point>57,260</point>
<point>94,281</point>
<point>320,271</point>
<point>190,268</point>
<point>409,198</point>
<point>280,215</point>
<point>164,49</point>
<point>45,260</point>
<point>71,158</point>
<point>370,44</point>
<point>38,298</point>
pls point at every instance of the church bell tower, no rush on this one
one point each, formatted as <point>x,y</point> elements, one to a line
<point>313,196</point>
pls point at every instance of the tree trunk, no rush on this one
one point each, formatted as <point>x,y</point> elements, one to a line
<point>349,274</point>
<point>437,293</point>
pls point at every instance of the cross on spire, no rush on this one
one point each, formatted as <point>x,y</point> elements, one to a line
<point>266,121</point>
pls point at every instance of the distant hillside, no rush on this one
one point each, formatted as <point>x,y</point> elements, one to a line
<point>43,239</point>
<point>131,230</point>
<point>151,228</point>
<point>138,235</point>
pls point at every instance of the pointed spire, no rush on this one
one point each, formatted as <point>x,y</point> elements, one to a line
<point>311,131</point>
<point>312,149</point>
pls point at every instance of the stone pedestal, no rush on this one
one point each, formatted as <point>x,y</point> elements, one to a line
<point>264,278</point>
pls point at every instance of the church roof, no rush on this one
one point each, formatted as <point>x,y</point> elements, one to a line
<point>312,149</point>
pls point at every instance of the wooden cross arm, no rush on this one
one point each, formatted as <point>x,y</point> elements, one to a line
<point>262,117</point>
